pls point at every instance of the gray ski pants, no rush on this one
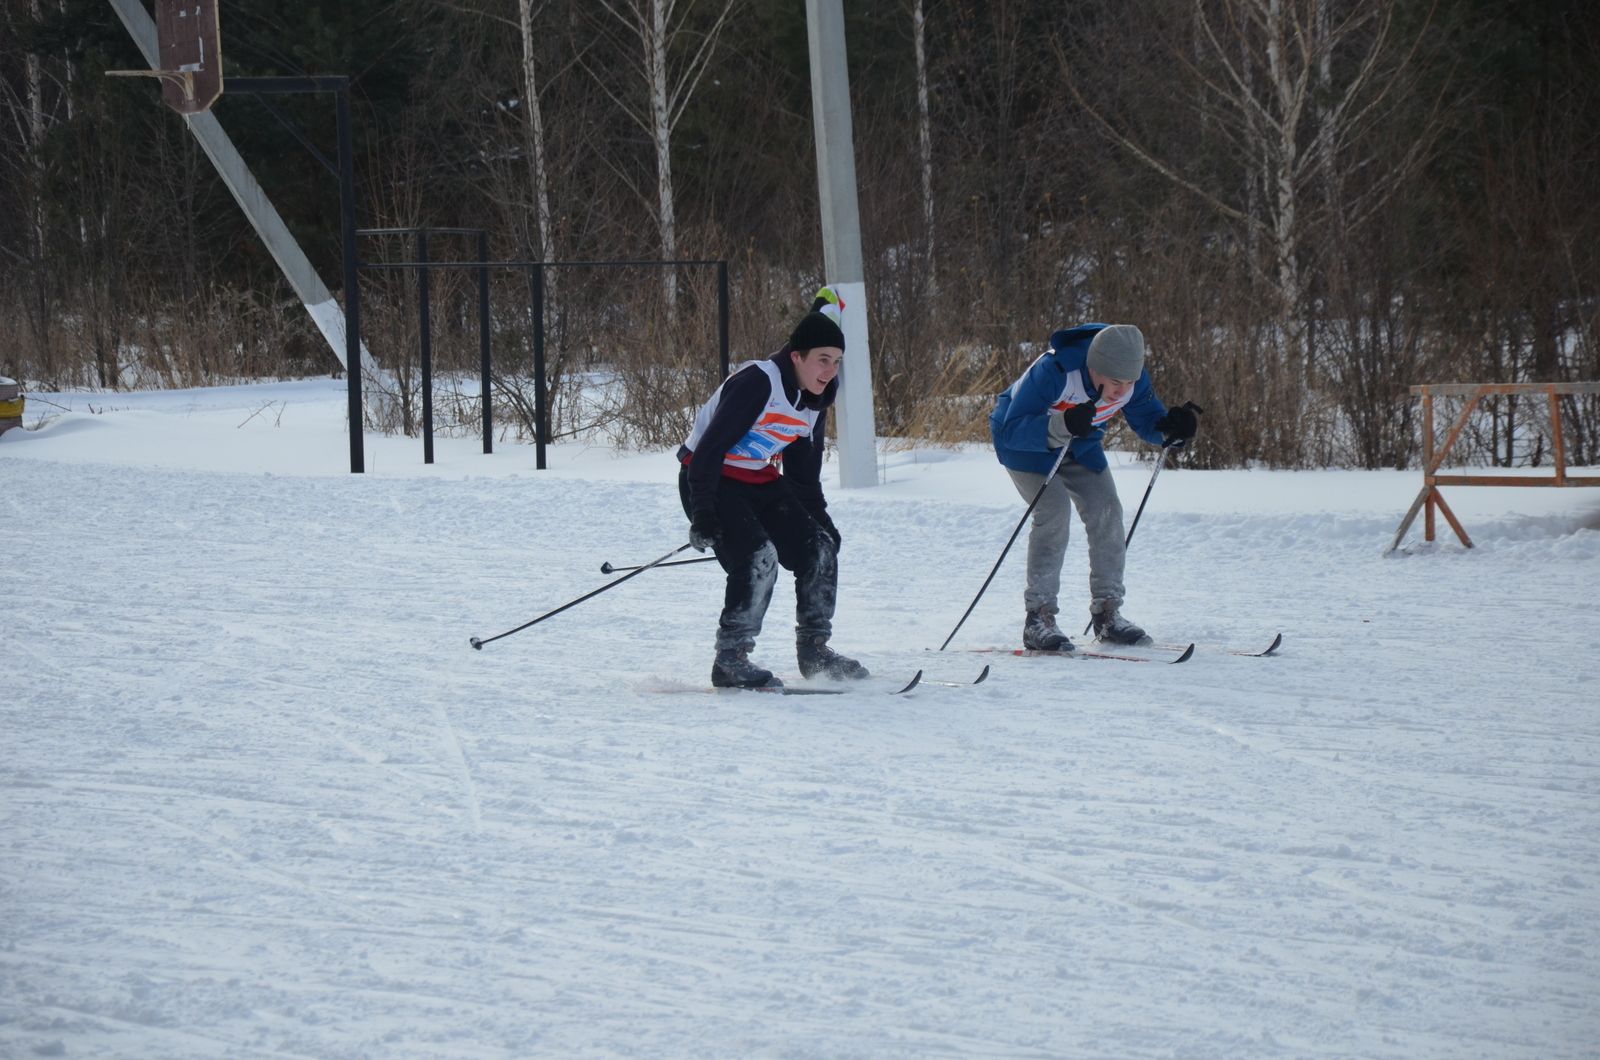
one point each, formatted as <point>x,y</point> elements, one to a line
<point>1095,497</point>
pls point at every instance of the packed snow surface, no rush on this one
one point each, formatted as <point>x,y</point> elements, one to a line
<point>259,797</point>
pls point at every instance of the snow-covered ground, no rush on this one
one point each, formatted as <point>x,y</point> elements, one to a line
<point>258,796</point>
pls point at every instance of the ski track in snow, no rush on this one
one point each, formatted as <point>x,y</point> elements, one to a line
<point>260,798</point>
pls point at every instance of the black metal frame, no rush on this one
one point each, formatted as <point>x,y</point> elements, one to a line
<point>535,271</point>
<point>340,87</point>
<point>424,323</point>
<point>345,171</point>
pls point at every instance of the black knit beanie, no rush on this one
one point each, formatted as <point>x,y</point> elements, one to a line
<point>817,328</point>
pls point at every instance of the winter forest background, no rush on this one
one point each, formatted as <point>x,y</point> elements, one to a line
<point>1308,205</point>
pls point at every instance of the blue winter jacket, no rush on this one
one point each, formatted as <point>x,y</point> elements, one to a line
<point>1019,423</point>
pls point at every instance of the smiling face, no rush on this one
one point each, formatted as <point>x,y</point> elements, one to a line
<point>1110,389</point>
<point>816,368</point>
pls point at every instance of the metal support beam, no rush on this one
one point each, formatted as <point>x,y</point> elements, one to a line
<point>296,267</point>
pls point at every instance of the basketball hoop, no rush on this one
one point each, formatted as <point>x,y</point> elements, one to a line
<point>183,79</point>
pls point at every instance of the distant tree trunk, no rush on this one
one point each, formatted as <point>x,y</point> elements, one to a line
<point>34,76</point>
<point>538,170</point>
<point>655,50</point>
<point>39,297</point>
<point>1288,92</point>
<point>652,30</point>
<point>534,123</point>
<point>925,157</point>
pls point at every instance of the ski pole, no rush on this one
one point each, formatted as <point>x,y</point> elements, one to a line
<point>1176,443</point>
<point>1160,461</point>
<point>607,568</point>
<point>478,642</point>
<point>1163,459</point>
<point>1011,541</point>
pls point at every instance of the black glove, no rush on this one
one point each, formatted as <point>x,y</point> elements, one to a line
<point>828,528</point>
<point>705,530</point>
<point>1179,424</point>
<point>1079,419</point>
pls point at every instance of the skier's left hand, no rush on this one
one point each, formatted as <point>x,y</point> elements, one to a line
<point>826,522</point>
<point>1179,424</point>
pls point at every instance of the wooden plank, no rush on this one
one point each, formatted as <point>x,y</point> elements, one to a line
<point>1451,516</point>
<point>1411,514</point>
<point>1469,389</point>
<point>1555,438</point>
<point>1427,430</point>
<point>1512,480</point>
<point>1450,440</point>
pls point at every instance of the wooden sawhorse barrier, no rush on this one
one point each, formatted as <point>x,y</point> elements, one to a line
<point>1432,459</point>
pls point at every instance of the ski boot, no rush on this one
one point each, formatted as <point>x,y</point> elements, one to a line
<point>733,669</point>
<point>1040,632</point>
<point>819,660</point>
<point>1111,627</point>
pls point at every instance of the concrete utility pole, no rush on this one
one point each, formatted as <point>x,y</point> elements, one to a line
<point>841,238</point>
<point>296,267</point>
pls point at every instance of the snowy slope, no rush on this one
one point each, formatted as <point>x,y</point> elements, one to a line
<point>258,797</point>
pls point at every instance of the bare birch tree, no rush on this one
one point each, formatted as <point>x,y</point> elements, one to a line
<point>1294,88</point>
<point>925,148</point>
<point>538,172</point>
<point>668,54</point>
<point>531,113</point>
<point>29,120</point>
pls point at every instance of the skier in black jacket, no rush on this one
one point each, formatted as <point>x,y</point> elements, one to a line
<point>751,485</point>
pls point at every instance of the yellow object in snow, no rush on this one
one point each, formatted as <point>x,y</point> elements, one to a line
<point>11,402</point>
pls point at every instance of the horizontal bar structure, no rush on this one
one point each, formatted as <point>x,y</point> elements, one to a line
<point>519,264</point>
<point>420,233</point>
<point>430,229</point>
<point>536,286</point>
<point>278,86</point>
<point>1430,498</point>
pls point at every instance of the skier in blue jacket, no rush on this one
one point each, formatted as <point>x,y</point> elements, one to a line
<point>1089,374</point>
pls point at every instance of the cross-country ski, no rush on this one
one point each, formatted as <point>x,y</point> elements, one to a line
<point>794,687</point>
<point>1178,654</point>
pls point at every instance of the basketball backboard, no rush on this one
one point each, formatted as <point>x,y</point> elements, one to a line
<point>190,54</point>
<point>191,44</point>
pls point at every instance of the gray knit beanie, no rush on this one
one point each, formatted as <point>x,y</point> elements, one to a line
<point>1117,352</point>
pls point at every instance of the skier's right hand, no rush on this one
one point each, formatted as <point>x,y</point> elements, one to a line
<point>705,530</point>
<point>1179,424</point>
<point>1079,419</point>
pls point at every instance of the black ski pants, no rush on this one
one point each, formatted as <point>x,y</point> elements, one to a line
<point>764,527</point>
